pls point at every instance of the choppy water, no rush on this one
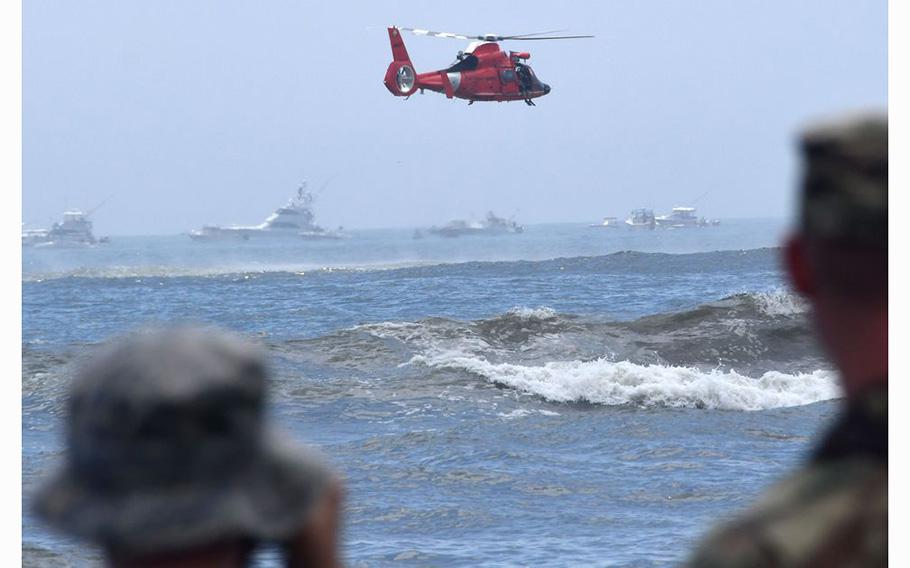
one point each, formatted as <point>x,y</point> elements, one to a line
<point>566,396</point>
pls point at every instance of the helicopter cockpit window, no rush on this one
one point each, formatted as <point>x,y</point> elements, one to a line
<point>466,62</point>
<point>507,75</point>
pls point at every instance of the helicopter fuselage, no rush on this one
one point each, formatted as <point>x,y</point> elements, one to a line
<point>483,72</point>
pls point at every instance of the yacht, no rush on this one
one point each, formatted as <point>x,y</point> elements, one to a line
<point>294,220</point>
<point>684,217</point>
<point>641,219</point>
<point>74,231</point>
<point>491,225</point>
<point>32,237</point>
<point>607,223</point>
<point>679,217</point>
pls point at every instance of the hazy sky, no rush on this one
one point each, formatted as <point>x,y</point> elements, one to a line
<point>212,111</point>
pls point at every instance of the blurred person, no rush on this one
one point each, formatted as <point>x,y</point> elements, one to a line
<point>833,511</point>
<point>169,460</point>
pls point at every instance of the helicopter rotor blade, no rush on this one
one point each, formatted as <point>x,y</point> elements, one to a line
<point>444,35</point>
<point>529,35</point>
<point>492,37</point>
<point>552,37</point>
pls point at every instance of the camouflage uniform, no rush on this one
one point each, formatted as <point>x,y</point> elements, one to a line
<point>834,510</point>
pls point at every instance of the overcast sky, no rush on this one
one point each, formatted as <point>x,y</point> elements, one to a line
<point>213,111</point>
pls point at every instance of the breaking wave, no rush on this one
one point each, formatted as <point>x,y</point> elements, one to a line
<point>526,314</point>
<point>779,303</point>
<point>610,383</point>
<point>750,333</point>
<point>745,352</point>
<point>748,351</point>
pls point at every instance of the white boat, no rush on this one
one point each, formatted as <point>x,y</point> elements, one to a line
<point>679,217</point>
<point>607,223</point>
<point>320,234</point>
<point>684,218</point>
<point>491,225</point>
<point>294,220</point>
<point>641,219</point>
<point>74,231</point>
<point>32,237</point>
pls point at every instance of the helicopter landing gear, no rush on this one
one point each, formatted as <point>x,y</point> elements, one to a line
<point>529,102</point>
<point>470,102</point>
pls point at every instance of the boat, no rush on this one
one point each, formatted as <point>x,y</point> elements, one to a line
<point>32,237</point>
<point>679,217</point>
<point>293,220</point>
<point>607,223</point>
<point>74,231</point>
<point>320,234</point>
<point>491,225</point>
<point>684,218</point>
<point>641,219</point>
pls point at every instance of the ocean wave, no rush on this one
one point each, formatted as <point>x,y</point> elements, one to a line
<point>230,272</point>
<point>524,313</point>
<point>749,351</point>
<point>780,303</point>
<point>609,383</point>
<point>752,332</point>
<point>623,262</point>
<point>739,341</point>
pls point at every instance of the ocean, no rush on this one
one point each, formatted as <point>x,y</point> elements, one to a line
<point>565,396</point>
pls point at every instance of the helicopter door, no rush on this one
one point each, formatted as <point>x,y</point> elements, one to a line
<point>524,75</point>
<point>507,76</point>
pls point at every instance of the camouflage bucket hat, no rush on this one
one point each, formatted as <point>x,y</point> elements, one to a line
<point>845,179</point>
<point>167,448</point>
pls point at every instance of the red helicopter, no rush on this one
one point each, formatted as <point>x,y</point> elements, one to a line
<point>482,72</point>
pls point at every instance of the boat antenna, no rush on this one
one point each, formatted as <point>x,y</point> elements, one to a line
<point>700,197</point>
<point>326,183</point>
<point>97,207</point>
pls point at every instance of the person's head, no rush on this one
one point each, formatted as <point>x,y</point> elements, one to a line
<point>168,458</point>
<point>838,257</point>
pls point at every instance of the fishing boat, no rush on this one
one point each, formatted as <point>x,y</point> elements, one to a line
<point>294,220</point>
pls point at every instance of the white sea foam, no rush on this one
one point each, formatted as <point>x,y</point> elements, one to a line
<point>522,412</point>
<point>526,313</point>
<point>618,383</point>
<point>431,336</point>
<point>780,303</point>
<point>41,273</point>
<point>402,330</point>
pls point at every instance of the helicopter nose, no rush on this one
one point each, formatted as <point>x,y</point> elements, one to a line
<point>546,88</point>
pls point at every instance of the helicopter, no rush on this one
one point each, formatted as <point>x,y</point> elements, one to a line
<point>482,72</point>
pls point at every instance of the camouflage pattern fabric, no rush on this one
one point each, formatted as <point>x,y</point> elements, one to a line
<point>833,512</point>
<point>169,447</point>
<point>845,180</point>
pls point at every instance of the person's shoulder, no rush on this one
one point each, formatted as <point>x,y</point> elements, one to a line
<point>832,513</point>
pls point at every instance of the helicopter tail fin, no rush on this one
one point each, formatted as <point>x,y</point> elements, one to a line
<point>399,51</point>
